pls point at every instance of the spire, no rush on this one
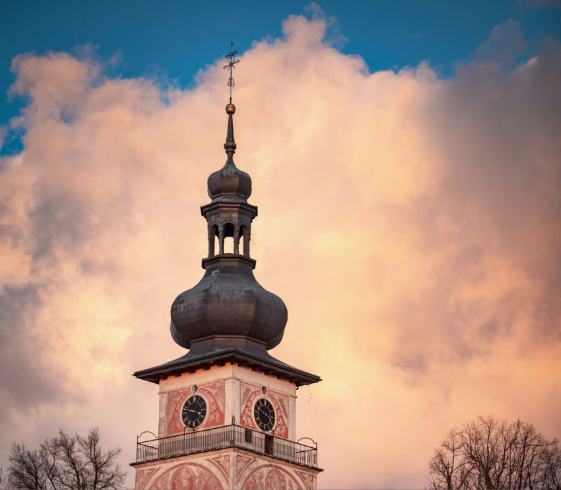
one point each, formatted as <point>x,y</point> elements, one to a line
<point>230,183</point>
<point>230,145</point>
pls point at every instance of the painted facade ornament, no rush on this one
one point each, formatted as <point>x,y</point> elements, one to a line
<point>307,479</point>
<point>142,476</point>
<point>214,395</point>
<point>186,476</point>
<point>223,464</point>
<point>242,462</point>
<point>271,476</point>
<point>280,402</point>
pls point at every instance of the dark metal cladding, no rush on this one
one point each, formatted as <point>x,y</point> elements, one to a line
<point>229,184</point>
<point>228,301</point>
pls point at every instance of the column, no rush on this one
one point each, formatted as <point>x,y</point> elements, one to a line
<point>211,235</point>
<point>246,242</point>
<point>236,241</point>
<point>221,241</point>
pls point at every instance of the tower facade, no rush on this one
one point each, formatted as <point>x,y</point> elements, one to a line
<point>227,416</point>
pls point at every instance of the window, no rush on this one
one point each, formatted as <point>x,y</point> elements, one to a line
<point>248,436</point>
<point>269,444</point>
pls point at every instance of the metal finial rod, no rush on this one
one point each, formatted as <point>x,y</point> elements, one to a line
<point>232,60</point>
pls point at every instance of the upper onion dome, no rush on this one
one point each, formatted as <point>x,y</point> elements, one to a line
<point>229,183</point>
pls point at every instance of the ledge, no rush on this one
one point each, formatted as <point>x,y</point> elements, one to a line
<point>229,259</point>
<point>222,202</point>
<point>259,362</point>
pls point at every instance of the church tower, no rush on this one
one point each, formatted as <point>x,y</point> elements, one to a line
<point>227,415</point>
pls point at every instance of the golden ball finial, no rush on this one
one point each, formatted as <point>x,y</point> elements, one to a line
<point>230,108</point>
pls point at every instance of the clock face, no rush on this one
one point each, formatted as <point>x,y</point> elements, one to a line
<point>193,412</point>
<point>264,414</point>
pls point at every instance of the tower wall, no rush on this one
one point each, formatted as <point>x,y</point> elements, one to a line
<point>229,391</point>
<point>227,468</point>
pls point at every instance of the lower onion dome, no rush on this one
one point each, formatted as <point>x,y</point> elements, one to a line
<point>228,302</point>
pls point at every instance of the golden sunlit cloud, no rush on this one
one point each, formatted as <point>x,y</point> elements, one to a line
<point>410,223</point>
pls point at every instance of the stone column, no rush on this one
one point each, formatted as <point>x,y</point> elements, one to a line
<point>236,241</point>
<point>211,236</point>
<point>246,242</point>
<point>221,241</point>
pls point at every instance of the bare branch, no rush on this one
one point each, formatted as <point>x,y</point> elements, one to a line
<point>493,454</point>
<point>66,462</point>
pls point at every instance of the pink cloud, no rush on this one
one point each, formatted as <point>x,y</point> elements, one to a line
<point>409,222</point>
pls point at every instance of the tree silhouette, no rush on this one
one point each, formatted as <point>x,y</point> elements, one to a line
<point>65,462</point>
<point>493,454</point>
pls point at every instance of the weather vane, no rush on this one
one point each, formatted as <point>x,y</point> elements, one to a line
<point>232,60</point>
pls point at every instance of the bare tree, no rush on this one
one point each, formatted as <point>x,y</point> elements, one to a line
<point>493,454</point>
<point>65,462</point>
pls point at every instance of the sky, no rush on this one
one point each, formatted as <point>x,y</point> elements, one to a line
<point>405,162</point>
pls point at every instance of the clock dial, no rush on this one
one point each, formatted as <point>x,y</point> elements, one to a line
<point>193,412</point>
<point>264,414</point>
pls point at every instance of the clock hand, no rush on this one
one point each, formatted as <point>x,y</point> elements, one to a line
<point>266,414</point>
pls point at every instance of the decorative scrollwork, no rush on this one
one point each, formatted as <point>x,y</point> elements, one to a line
<point>232,61</point>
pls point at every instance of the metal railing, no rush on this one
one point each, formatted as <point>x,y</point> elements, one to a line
<point>223,437</point>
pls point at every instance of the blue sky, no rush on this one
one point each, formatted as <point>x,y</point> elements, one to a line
<point>174,39</point>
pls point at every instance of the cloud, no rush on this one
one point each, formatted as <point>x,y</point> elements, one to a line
<point>505,44</point>
<point>26,383</point>
<point>418,216</point>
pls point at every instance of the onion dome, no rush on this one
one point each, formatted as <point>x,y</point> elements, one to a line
<point>229,183</point>
<point>229,303</point>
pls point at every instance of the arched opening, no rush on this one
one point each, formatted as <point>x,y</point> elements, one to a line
<point>228,238</point>
<point>213,242</point>
<point>244,232</point>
